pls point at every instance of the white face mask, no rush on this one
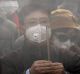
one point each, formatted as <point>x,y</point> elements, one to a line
<point>38,33</point>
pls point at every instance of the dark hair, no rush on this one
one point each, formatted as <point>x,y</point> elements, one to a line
<point>29,9</point>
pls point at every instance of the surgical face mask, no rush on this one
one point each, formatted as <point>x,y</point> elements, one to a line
<point>38,33</point>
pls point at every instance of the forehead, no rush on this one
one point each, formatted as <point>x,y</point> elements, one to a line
<point>36,15</point>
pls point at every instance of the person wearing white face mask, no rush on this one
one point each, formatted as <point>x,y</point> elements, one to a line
<point>32,49</point>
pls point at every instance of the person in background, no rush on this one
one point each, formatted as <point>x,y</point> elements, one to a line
<point>66,29</point>
<point>35,49</point>
<point>8,35</point>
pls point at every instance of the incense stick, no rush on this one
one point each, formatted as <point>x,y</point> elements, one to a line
<point>48,44</point>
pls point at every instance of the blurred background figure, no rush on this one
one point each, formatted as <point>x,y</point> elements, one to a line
<point>66,29</point>
<point>8,34</point>
<point>8,28</point>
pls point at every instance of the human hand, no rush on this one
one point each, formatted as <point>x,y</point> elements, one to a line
<point>43,66</point>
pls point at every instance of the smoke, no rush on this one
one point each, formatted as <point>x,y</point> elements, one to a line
<point>22,3</point>
<point>71,5</point>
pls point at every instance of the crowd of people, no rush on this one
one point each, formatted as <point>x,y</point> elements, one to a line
<point>49,43</point>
